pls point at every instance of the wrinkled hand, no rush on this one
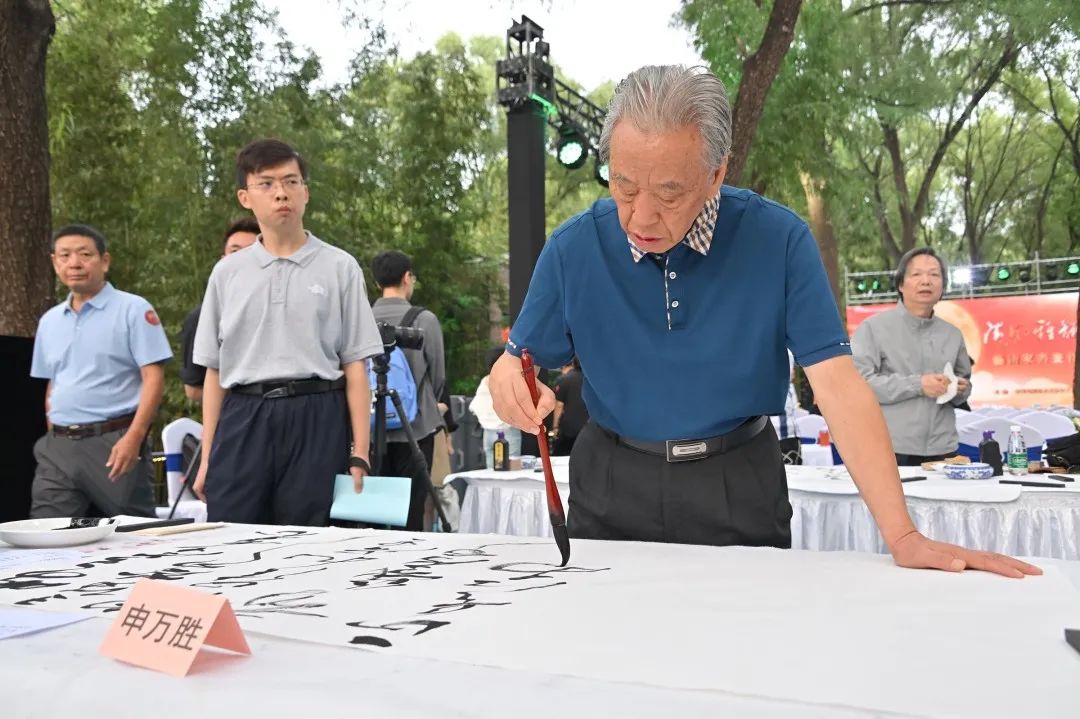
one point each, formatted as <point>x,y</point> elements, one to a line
<point>358,475</point>
<point>934,385</point>
<point>511,399</point>
<point>916,551</point>
<point>124,455</point>
<point>199,488</point>
<point>962,385</point>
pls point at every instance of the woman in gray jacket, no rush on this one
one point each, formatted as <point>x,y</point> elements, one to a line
<point>902,353</point>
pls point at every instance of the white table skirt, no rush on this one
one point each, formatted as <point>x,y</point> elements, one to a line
<point>1036,524</point>
<point>1039,524</point>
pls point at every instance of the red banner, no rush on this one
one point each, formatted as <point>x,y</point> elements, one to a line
<point>1023,347</point>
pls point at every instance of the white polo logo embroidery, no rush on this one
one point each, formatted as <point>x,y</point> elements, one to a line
<point>317,290</point>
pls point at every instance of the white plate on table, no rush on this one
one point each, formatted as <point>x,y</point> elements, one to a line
<point>37,533</point>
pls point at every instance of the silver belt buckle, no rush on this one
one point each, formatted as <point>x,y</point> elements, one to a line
<point>277,393</point>
<point>684,451</point>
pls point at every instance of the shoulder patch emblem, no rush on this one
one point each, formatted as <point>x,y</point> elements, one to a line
<point>152,318</point>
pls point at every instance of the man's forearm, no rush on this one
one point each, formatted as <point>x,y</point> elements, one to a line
<point>856,423</point>
<point>153,387</point>
<point>213,396</point>
<point>358,398</point>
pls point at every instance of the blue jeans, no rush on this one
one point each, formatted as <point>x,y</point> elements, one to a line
<point>513,436</point>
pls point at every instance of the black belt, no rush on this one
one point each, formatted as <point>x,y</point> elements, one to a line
<point>687,450</point>
<point>82,431</point>
<point>276,389</point>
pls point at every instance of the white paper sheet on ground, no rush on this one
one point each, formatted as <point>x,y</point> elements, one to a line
<point>836,480</point>
<point>829,628</point>
<point>17,622</point>
<point>954,383</point>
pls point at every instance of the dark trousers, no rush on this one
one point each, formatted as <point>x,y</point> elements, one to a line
<point>71,477</point>
<point>914,460</point>
<point>736,497</point>
<point>273,461</point>
<point>399,462</point>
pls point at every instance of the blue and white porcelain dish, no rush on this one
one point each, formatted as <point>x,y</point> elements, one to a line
<point>975,470</point>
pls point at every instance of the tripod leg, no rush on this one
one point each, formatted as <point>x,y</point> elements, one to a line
<point>189,478</point>
<point>418,457</point>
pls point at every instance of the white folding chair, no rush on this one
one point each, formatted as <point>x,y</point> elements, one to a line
<point>810,426</point>
<point>1001,427</point>
<point>172,440</point>
<point>1049,424</point>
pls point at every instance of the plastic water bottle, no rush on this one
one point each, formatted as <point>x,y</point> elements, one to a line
<point>1017,453</point>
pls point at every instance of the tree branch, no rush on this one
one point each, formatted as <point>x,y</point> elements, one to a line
<point>1008,55</point>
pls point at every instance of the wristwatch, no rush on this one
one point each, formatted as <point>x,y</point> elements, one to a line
<point>361,463</point>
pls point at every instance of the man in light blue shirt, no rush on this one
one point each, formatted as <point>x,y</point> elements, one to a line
<point>102,351</point>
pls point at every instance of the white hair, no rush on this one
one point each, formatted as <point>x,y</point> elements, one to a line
<point>658,98</point>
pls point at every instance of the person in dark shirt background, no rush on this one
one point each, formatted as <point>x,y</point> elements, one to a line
<point>571,415</point>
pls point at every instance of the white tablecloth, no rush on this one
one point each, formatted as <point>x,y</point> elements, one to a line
<point>770,616</point>
<point>1038,523</point>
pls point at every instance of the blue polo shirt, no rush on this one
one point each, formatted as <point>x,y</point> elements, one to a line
<point>687,344</point>
<point>93,357</point>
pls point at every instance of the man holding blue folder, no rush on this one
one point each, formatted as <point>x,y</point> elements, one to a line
<point>285,333</point>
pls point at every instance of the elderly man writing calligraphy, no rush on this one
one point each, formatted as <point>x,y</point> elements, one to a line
<point>679,296</point>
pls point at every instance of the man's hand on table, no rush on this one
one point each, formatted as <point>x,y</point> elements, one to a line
<point>915,551</point>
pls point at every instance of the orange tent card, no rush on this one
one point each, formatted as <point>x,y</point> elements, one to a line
<point>163,626</point>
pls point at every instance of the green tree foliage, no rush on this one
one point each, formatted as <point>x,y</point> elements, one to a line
<point>894,110</point>
<point>151,99</point>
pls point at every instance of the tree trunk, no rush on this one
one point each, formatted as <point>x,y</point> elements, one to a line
<point>821,226</point>
<point>758,73</point>
<point>1076,365</point>
<point>26,27</point>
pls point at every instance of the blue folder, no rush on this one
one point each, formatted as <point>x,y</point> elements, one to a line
<point>385,500</point>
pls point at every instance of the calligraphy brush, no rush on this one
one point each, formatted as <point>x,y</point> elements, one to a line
<point>554,502</point>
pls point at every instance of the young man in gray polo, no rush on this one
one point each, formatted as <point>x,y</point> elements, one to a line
<point>284,334</point>
<point>102,351</point>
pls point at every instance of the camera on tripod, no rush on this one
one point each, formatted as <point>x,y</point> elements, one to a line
<point>407,338</point>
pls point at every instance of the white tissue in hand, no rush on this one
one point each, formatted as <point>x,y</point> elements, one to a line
<point>954,383</point>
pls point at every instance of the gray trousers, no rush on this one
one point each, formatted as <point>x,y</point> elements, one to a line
<point>71,477</point>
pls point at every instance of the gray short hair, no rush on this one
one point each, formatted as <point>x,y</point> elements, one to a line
<point>657,98</point>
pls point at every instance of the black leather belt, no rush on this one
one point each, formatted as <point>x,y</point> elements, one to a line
<point>688,450</point>
<point>82,431</point>
<point>289,388</point>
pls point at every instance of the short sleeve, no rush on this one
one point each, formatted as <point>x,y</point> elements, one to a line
<point>359,335</point>
<point>146,335</point>
<point>39,366</point>
<point>814,330</point>
<point>206,350</point>
<point>541,327</point>
<point>191,374</point>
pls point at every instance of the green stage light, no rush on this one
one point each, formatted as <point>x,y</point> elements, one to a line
<point>1003,274</point>
<point>572,149</point>
<point>1073,268</point>
<point>875,285</point>
<point>1025,274</point>
<point>600,172</point>
<point>861,286</point>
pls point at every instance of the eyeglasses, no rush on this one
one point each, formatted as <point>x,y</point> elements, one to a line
<point>289,184</point>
